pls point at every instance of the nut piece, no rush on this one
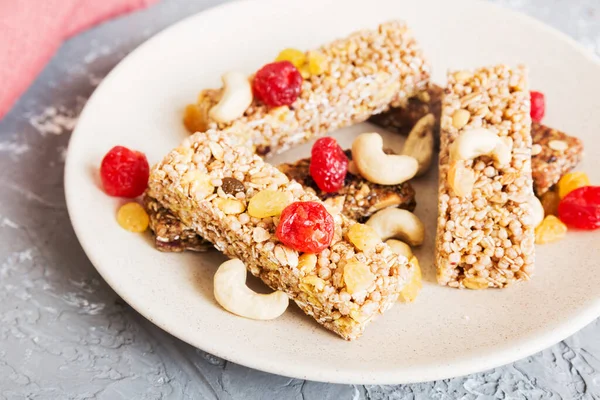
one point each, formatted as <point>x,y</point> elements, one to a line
<point>307,262</point>
<point>236,98</point>
<point>400,248</point>
<point>232,294</point>
<point>363,237</point>
<point>538,210</point>
<point>413,287</point>
<point>200,185</point>
<point>475,283</point>
<point>230,206</point>
<point>268,203</point>
<point>478,142</point>
<point>419,143</point>
<point>357,276</point>
<point>558,145</point>
<point>460,118</point>
<point>461,179</point>
<point>376,166</point>
<point>397,223</point>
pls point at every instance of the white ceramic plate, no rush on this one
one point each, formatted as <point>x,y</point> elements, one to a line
<point>446,332</point>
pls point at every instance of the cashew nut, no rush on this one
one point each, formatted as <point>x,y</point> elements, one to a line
<point>419,143</point>
<point>233,295</point>
<point>461,179</point>
<point>399,247</point>
<point>538,210</point>
<point>376,166</point>
<point>477,142</point>
<point>236,98</point>
<point>398,223</point>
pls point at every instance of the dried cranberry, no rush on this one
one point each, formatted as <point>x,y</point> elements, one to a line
<point>538,106</point>
<point>124,172</point>
<point>277,84</point>
<point>328,165</point>
<point>581,208</point>
<point>305,226</point>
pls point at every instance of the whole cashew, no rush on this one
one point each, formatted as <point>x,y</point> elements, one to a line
<point>478,142</point>
<point>376,166</point>
<point>233,295</point>
<point>236,98</point>
<point>398,223</point>
<point>538,210</point>
<point>419,143</point>
<point>399,247</point>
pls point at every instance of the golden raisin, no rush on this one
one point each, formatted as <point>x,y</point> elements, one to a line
<point>550,202</point>
<point>133,217</point>
<point>317,63</point>
<point>550,230</point>
<point>295,56</point>
<point>413,287</point>
<point>572,181</point>
<point>357,276</point>
<point>363,236</point>
<point>268,203</point>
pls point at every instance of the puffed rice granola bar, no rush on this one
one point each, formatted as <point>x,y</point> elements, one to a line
<point>486,239</point>
<point>365,74</point>
<point>190,183</point>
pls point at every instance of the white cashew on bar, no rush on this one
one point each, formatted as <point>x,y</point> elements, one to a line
<point>538,210</point>
<point>419,143</point>
<point>232,294</point>
<point>399,247</point>
<point>236,98</point>
<point>376,166</point>
<point>473,143</point>
<point>397,223</point>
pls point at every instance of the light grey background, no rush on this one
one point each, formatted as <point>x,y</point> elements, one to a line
<point>64,334</point>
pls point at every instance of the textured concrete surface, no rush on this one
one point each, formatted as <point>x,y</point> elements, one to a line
<point>64,334</point>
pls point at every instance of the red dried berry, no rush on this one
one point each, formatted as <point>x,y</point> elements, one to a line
<point>124,172</point>
<point>305,226</point>
<point>581,208</point>
<point>328,165</point>
<point>277,84</point>
<point>538,106</point>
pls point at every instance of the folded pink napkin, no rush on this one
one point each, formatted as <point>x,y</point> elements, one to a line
<point>32,30</point>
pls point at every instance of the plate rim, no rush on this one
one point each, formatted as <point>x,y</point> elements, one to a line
<point>528,346</point>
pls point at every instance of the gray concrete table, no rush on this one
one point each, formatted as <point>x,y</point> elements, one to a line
<point>64,334</point>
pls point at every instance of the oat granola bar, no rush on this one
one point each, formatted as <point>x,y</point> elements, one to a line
<point>190,183</point>
<point>486,238</point>
<point>358,199</point>
<point>365,74</point>
<point>548,162</point>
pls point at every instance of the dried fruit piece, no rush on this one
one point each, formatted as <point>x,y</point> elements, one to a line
<point>581,208</point>
<point>550,202</point>
<point>538,106</point>
<point>328,165</point>
<point>124,172</point>
<point>277,84</point>
<point>357,276</point>
<point>268,203</point>
<point>475,283</point>
<point>572,181</point>
<point>363,236</point>
<point>317,63</point>
<point>295,56</point>
<point>413,287</point>
<point>232,186</point>
<point>133,217</point>
<point>306,227</point>
<point>550,230</point>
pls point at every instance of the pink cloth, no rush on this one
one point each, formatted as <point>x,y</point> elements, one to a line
<point>32,30</point>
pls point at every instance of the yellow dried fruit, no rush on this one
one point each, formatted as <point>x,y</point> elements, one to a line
<point>550,202</point>
<point>363,236</point>
<point>572,181</point>
<point>413,287</point>
<point>550,230</point>
<point>307,262</point>
<point>230,206</point>
<point>195,118</point>
<point>304,71</point>
<point>475,283</point>
<point>295,56</point>
<point>268,203</point>
<point>357,276</point>
<point>133,217</point>
<point>317,63</point>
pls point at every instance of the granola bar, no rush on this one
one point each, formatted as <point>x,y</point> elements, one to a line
<point>365,74</point>
<point>189,182</point>
<point>486,238</point>
<point>358,199</point>
<point>548,163</point>
<point>554,153</point>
